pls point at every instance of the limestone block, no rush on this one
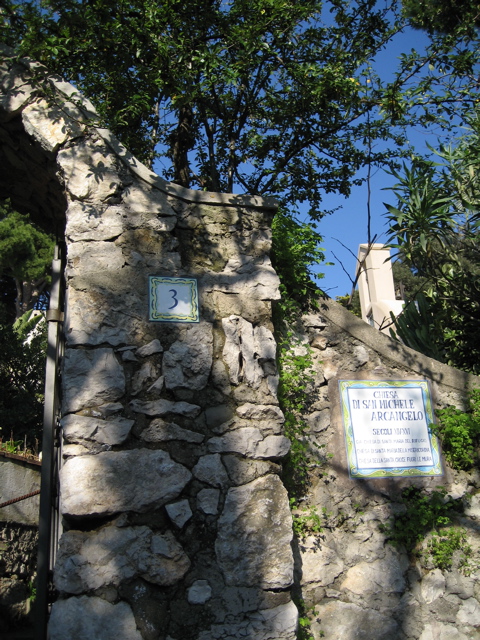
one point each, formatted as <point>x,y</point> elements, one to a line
<point>433,586</point>
<point>141,199</point>
<point>278,623</point>
<point>79,429</point>
<point>242,470</point>
<point>128,356</point>
<point>330,369</point>
<point>223,304</point>
<point>243,441</point>
<point>86,222</point>
<point>91,378</point>
<point>161,431</point>
<point>91,560</point>
<point>94,317</point>
<point>69,450</point>
<point>217,214</point>
<point>91,257</point>
<point>268,418</point>
<point>87,618</point>
<point>89,171</point>
<point>360,355</point>
<point>249,352</point>
<point>187,364</point>
<point>439,631</point>
<point>216,416</point>
<point>111,482</point>
<point>272,384</point>
<point>272,447</point>
<point>248,441</point>
<point>261,412</point>
<point>157,386</point>
<point>320,564</point>
<point>367,544</point>
<point>159,408</point>
<point>254,278</point>
<point>179,512</point>
<point>15,89</point>
<point>256,524</point>
<point>319,342</point>
<point>220,378</point>
<point>149,349</point>
<point>469,614</point>
<point>346,621</point>
<point>145,376</point>
<point>207,501</point>
<point>209,469</point>
<point>463,586</point>
<point>242,352</point>
<point>318,421</point>
<point>51,126</point>
<point>199,593</point>
<point>385,575</point>
<point>104,411</point>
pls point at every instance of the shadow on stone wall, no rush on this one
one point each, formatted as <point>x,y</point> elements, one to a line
<point>354,581</point>
<point>176,524</point>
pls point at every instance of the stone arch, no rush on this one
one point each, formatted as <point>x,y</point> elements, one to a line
<point>172,433</point>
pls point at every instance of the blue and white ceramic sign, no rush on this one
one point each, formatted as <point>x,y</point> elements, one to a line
<point>387,428</point>
<point>173,299</point>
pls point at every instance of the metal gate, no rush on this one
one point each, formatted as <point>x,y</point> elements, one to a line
<point>49,521</point>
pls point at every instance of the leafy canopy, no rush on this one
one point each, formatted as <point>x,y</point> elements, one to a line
<point>434,226</point>
<point>26,254</point>
<point>267,97</point>
<point>272,97</point>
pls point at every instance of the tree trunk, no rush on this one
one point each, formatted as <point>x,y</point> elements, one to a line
<point>181,141</point>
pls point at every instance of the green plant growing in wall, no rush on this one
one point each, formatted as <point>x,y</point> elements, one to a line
<point>305,615</point>
<point>296,378</point>
<point>430,514</point>
<point>442,546</point>
<point>306,520</point>
<point>460,433</point>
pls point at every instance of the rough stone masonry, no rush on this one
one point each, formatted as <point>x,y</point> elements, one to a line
<point>177,525</point>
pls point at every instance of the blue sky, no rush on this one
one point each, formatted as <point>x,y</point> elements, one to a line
<point>348,225</point>
<point>346,228</point>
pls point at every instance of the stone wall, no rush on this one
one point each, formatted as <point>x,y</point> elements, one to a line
<point>18,540</point>
<point>176,523</point>
<point>354,583</point>
<point>18,563</point>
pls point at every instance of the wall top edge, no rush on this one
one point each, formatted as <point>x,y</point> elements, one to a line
<point>71,94</point>
<point>395,351</point>
<point>175,190</point>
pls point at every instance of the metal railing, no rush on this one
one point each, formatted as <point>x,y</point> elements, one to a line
<point>49,521</point>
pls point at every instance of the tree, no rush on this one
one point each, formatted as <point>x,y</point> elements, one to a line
<point>26,254</point>
<point>435,227</point>
<point>25,257</point>
<point>22,371</point>
<point>269,97</point>
<point>442,16</point>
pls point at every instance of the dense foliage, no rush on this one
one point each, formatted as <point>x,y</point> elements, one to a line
<point>460,433</point>
<point>267,96</point>
<point>25,257</point>
<point>270,97</point>
<point>430,516</point>
<point>22,371</point>
<point>26,254</point>
<point>434,226</point>
<point>444,16</point>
